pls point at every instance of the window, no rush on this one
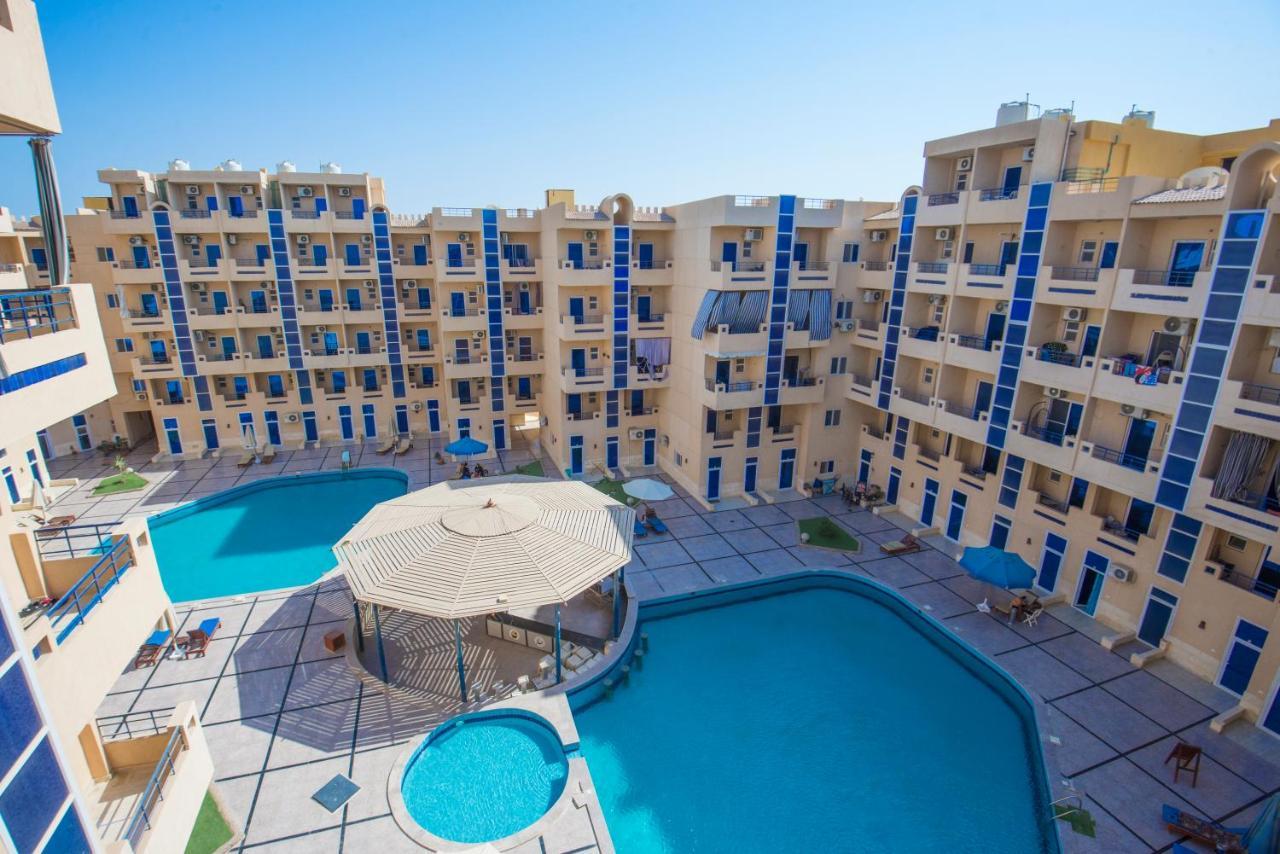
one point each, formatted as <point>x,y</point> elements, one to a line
<point>140,386</point>
<point>838,364</point>
<point>826,466</point>
<point>1237,544</point>
<point>124,345</point>
<point>962,182</point>
<point>106,253</point>
<point>850,253</point>
<point>1088,252</point>
<point>832,418</point>
<point>948,250</point>
<point>112,301</point>
<point>844,309</point>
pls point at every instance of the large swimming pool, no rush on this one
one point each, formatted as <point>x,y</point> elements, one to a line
<point>267,534</point>
<point>813,714</point>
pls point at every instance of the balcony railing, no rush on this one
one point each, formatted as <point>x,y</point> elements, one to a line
<point>1058,357</point>
<point>744,385</point>
<point>196,214</point>
<point>584,372</point>
<point>1074,274</point>
<point>653,264</point>
<point>70,611</point>
<point>1052,503</point>
<point>1092,185</point>
<point>922,398</point>
<point>134,724</point>
<point>1260,393</point>
<point>1168,278</point>
<point>26,314</point>
<point>932,267</point>
<point>1116,528</point>
<point>877,266</point>
<point>1120,458</point>
<point>153,794</point>
<point>582,264</point>
<point>986,269</point>
<point>974,342</point>
<point>1044,434</point>
<point>125,215</point>
<point>75,540</point>
<point>1254,584</point>
<point>814,265</point>
<point>466,312</point>
<point>250,262</point>
<point>996,194</point>
<point>747,266</point>
<point>964,410</point>
<point>347,215</point>
<point>300,214</point>
<point>944,199</point>
<point>130,264</point>
<point>587,320</point>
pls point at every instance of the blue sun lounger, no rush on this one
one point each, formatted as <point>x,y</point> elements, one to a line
<point>153,648</point>
<point>659,527</point>
<point>640,529</point>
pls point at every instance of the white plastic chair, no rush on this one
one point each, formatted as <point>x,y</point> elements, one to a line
<point>984,607</point>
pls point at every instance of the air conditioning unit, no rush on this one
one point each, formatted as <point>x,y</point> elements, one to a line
<point>1120,573</point>
<point>464,237</point>
<point>635,433</point>
<point>964,164</point>
<point>879,236</point>
<point>589,234</point>
<point>752,235</point>
<point>1177,325</point>
<point>942,234</point>
<point>232,239</point>
<point>193,190</point>
<point>872,296</point>
<point>191,239</point>
<point>1075,315</point>
<point>410,283</point>
<point>344,191</point>
<point>1055,392</point>
<point>303,239</point>
<point>306,192</point>
<point>1128,409</point>
<point>416,406</point>
<point>937,299</point>
<point>1029,153</point>
<point>322,329</point>
<point>1002,306</point>
<point>847,325</point>
<point>369,283</point>
<point>140,395</point>
<point>246,189</point>
<point>478,334</point>
<point>135,240</point>
<point>292,417</point>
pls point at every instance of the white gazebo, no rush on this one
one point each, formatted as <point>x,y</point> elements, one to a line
<point>468,548</point>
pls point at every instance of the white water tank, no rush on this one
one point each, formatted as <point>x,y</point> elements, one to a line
<point>230,165</point>
<point>331,168</point>
<point>286,166</point>
<point>179,165</point>
<point>1012,112</point>
<point>1057,113</point>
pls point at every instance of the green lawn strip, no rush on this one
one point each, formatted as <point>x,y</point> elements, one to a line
<point>126,482</point>
<point>533,469</point>
<point>211,830</point>
<point>828,535</point>
<point>613,489</point>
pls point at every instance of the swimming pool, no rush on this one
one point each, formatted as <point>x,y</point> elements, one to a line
<point>271,533</point>
<point>484,776</point>
<point>811,714</point>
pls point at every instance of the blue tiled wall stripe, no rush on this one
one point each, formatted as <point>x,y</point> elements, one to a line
<point>1179,547</point>
<point>778,298</point>
<point>755,415</point>
<point>167,245</point>
<point>285,292</point>
<point>901,428</point>
<point>387,294</point>
<point>1215,336</point>
<point>1011,481</point>
<point>611,409</point>
<point>897,299</point>
<point>621,304</point>
<point>493,308</point>
<point>32,376</point>
<point>1024,291</point>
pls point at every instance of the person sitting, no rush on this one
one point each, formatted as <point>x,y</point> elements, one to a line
<point>465,472</point>
<point>481,471</point>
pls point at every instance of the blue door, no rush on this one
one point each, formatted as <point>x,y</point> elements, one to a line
<point>524,302</point>
<point>258,300</point>
<point>322,204</point>
<point>309,428</point>
<point>457,304</point>
<point>370,421</point>
<point>220,302</point>
<point>723,374</point>
<point>150,305</point>
<point>344,422</point>
<point>499,435</point>
<point>1000,531</point>
<point>402,419</point>
<point>1185,261</point>
<point>461,351</point>
<point>749,476</point>
<point>1055,551</point>
<point>319,254</point>
<point>982,398</point>
<point>353,299</point>
<point>1092,334</point>
<point>130,206</point>
<point>1137,446</point>
<point>423,339</point>
<point>995,328</point>
<point>611,452</point>
<point>1107,260</point>
<point>573,403</point>
<point>263,252</point>
<point>213,252</point>
<point>235,204</point>
<point>1241,659</point>
<point>650,447</point>
<point>273,426</point>
<point>895,481</point>
<point>419,255</point>
<point>331,343</point>
<point>1012,178</point>
<point>1157,616</point>
<point>729,254</point>
<point>1008,255</point>
<point>210,428</point>
<point>433,416</point>
<point>575,455</point>
<point>211,202</point>
<point>644,254</point>
<point>453,254</point>
<point>955,518</point>
<point>264,346</point>
<point>141,257</point>
<point>800,255</point>
<point>326,299</point>
<point>172,393</point>
<point>362,343</point>
<point>1093,574</point>
<point>240,385</point>
<point>464,391</point>
<point>524,388</point>
<point>575,256</point>
<point>576,309</point>
<point>578,361</point>
<point>1271,721</point>
<point>171,434</point>
<point>464,428</point>
<point>644,305</point>
<point>787,469</point>
<point>351,252</point>
<point>930,502</point>
<point>713,479</point>
<point>864,467</point>
<point>159,354</point>
<point>339,380</point>
<point>357,208</point>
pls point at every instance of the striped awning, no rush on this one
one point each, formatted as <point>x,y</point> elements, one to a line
<point>750,314</point>
<point>703,316</point>
<point>465,548</point>
<point>57,253</point>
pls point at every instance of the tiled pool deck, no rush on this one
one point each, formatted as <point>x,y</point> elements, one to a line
<point>283,716</point>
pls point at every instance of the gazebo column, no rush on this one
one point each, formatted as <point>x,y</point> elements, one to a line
<point>462,672</point>
<point>617,602</point>
<point>359,628</point>
<point>558,671</point>
<point>377,633</point>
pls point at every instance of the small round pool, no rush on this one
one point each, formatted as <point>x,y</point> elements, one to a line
<point>484,776</point>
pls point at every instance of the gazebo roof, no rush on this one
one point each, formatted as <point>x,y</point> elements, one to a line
<point>469,547</point>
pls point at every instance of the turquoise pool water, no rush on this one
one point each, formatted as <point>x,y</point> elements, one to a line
<point>485,776</point>
<point>812,720</point>
<point>270,533</point>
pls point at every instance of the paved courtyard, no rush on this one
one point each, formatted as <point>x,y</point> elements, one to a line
<point>283,715</point>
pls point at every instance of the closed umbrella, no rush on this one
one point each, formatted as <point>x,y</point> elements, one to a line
<point>647,489</point>
<point>466,447</point>
<point>1263,836</point>
<point>997,566</point>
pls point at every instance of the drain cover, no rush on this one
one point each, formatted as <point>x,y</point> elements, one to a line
<point>335,793</point>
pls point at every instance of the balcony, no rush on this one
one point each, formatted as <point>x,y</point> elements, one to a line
<point>525,364</point>
<point>304,270</point>
<point>1262,303</point>
<point>526,270</point>
<point>469,320</point>
<point>974,352</point>
<point>213,364</point>
<point>1166,291</point>
<point>913,404</point>
<point>876,274</point>
<point>584,379</point>
<point>251,269</point>
<point>1261,581</point>
<point>947,209</point>
<point>259,362</point>
<point>1125,473</point>
<point>587,273</point>
<point>724,344</point>
<point>798,390</point>
<point>932,277</point>
<point>583,327</point>
<point>466,365</point>
<point>861,389</point>
<point>195,269</point>
<point>13,277</point>
<point>1248,515</point>
<point>1057,369</point>
<point>812,274</point>
<point>732,395</point>
<point>986,281</point>
<point>869,333</point>
<point>961,419</point>
<point>513,319</point>
<point>133,273</point>
<point>27,314</point>
<point>996,205</point>
<point>740,275</point>
<point>1078,287</point>
<point>659,377</point>
<point>1248,407</point>
<point>653,273</point>
<point>1045,446</point>
<point>921,342</point>
<point>327,358</point>
<point>1117,380</point>
<point>655,325</point>
<point>149,367</point>
<point>208,319</point>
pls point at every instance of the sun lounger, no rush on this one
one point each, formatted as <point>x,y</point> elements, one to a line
<point>403,446</point>
<point>906,545</point>
<point>246,460</point>
<point>197,640</point>
<point>153,649</point>
<point>640,529</point>
<point>387,447</point>
<point>1209,832</point>
<point>269,453</point>
<point>659,527</point>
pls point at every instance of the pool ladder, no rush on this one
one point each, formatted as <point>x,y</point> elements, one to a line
<point>1075,804</point>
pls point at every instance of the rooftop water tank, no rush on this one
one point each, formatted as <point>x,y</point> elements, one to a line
<point>1057,113</point>
<point>179,165</point>
<point>1145,117</point>
<point>331,168</point>
<point>230,165</point>
<point>1012,112</point>
<point>286,166</point>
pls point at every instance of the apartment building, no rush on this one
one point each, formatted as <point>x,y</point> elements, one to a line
<point>75,600</point>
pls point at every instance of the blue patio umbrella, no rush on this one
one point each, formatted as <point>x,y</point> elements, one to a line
<point>1263,836</point>
<point>997,566</point>
<point>466,447</point>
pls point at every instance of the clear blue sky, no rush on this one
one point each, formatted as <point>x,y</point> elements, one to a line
<point>464,103</point>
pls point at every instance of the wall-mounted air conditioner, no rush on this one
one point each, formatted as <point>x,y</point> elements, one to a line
<point>879,236</point>
<point>964,164</point>
<point>752,235</point>
<point>303,239</point>
<point>942,234</point>
<point>1029,153</point>
<point>306,192</point>
<point>1177,325</point>
<point>344,191</point>
<point>193,190</point>
<point>1075,315</point>
<point>1055,393</point>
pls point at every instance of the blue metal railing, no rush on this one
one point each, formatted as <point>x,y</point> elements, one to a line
<point>86,593</point>
<point>931,267</point>
<point>140,821</point>
<point>1075,274</point>
<point>944,199</point>
<point>996,194</point>
<point>1120,458</point>
<point>974,342</point>
<point>75,540</point>
<point>1169,278</point>
<point>1044,434</point>
<point>986,269</point>
<point>1058,357</point>
<point>1260,393</point>
<point>26,314</point>
<point>194,214</point>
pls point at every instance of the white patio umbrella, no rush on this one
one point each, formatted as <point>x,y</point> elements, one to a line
<point>647,489</point>
<point>466,548</point>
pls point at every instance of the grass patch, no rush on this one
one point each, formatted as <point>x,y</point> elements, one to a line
<point>125,482</point>
<point>613,489</point>
<point>211,830</point>
<point>828,535</point>
<point>533,469</point>
<point>1079,819</point>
